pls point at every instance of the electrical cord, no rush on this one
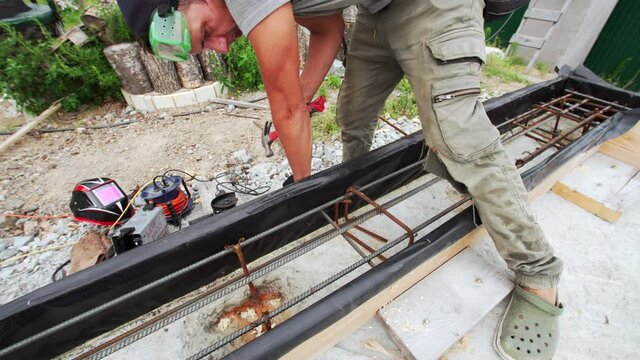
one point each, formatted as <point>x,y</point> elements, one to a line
<point>499,30</point>
<point>235,182</point>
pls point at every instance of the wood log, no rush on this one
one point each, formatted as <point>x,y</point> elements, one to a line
<point>190,73</point>
<point>207,64</point>
<point>349,16</point>
<point>303,45</point>
<point>125,60</point>
<point>162,73</point>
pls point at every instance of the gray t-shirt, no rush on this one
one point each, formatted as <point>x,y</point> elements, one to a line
<point>248,13</point>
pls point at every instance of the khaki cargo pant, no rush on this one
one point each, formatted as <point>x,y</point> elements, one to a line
<point>438,45</point>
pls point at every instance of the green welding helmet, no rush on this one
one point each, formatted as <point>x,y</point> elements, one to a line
<point>169,34</point>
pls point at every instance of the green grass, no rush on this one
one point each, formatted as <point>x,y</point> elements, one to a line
<point>507,69</point>
<point>542,67</point>
<point>333,81</point>
<point>402,102</point>
<point>324,125</point>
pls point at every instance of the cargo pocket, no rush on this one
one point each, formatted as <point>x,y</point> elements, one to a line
<point>466,130</point>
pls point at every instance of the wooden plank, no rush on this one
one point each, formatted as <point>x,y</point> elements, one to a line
<point>365,312</point>
<point>587,203</point>
<point>528,41</point>
<point>543,14</point>
<point>29,126</point>
<point>448,303</point>
<point>625,147</point>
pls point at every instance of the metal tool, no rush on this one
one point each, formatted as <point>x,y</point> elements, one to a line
<point>268,136</point>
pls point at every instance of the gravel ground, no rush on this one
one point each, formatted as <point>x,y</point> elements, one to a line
<point>41,170</point>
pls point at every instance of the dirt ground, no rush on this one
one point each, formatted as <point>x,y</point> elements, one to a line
<point>42,169</point>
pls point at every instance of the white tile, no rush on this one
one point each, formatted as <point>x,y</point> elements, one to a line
<point>204,94</point>
<point>163,102</point>
<point>185,98</point>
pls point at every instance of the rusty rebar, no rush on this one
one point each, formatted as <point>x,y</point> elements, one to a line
<point>355,191</point>
<point>245,270</point>
<point>393,126</point>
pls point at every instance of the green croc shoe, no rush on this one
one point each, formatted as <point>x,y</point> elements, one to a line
<point>528,329</point>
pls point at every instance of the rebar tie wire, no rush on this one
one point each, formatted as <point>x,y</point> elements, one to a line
<point>193,266</point>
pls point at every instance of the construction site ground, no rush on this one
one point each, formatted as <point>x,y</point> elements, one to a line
<point>601,259</point>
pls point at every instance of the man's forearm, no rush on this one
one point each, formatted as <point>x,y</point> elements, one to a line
<point>275,42</point>
<point>324,43</point>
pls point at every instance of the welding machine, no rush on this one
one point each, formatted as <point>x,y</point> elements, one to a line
<point>171,195</point>
<point>145,226</point>
<point>99,201</point>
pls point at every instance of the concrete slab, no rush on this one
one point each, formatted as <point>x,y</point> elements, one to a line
<point>599,285</point>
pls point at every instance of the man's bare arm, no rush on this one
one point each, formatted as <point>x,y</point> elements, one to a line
<point>275,42</point>
<point>324,42</point>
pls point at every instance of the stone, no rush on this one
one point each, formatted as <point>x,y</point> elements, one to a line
<point>7,254</point>
<point>230,108</point>
<point>51,237</point>
<point>20,241</point>
<point>31,227</point>
<point>242,156</point>
<point>14,204</point>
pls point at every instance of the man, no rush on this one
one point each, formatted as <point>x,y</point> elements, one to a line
<point>439,46</point>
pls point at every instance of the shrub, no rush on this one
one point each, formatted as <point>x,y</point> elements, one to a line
<point>240,71</point>
<point>117,29</point>
<point>35,76</point>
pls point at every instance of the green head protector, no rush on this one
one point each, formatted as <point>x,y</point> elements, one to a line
<point>169,33</point>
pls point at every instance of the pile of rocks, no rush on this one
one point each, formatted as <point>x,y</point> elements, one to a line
<point>25,267</point>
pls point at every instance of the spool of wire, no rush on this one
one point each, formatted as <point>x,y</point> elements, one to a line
<point>171,194</point>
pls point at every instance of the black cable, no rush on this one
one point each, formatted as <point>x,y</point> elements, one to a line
<point>233,184</point>
<point>53,276</point>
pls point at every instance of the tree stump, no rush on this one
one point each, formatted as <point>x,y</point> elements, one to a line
<point>125,60</point>
<point>162,73</point>
<point>349,16</point>
<point>207,64</point>
<point>190,73</point>
<point>303,45</point>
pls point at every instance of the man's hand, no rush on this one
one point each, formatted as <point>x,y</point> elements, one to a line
<point>275,40</point>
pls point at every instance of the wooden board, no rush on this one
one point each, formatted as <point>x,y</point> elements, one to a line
<point>587,203</point>
<point>367,311</point>
<point>625,147</point>
<point>434,314</point>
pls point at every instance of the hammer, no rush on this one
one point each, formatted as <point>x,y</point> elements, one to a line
<point>268,136</point>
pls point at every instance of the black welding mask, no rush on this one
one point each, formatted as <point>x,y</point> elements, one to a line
<point>99,201</point>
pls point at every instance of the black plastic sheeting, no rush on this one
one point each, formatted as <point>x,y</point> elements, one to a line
<point>78,293</point>
<point>319,316</point>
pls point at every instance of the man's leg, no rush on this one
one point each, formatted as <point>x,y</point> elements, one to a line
<point>444,72</point>
<point>371,75</point>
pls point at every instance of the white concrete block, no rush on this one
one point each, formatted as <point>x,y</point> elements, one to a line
<point>205,94</point>
<point>139,103</point>
<point>127,97</point>
<point>163,102</point>
<point>220,89</point>
<point>185,98</point>
<point>148,99</point>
